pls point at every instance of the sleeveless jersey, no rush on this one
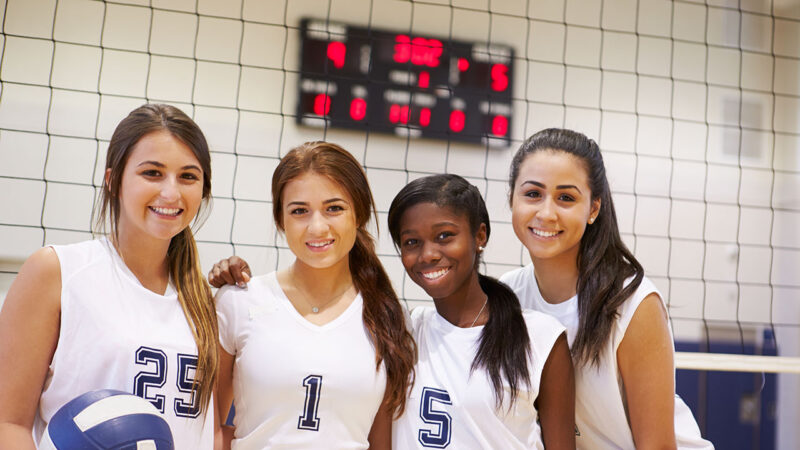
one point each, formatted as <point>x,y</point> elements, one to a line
<point>297,384</point>
<point>452,407</point>
<point>116,334</point>
<point>600,406</point>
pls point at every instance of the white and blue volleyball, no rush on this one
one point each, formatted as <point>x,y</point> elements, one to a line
<point>107,419</point>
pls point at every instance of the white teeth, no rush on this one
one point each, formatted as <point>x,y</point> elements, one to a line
<point>166,211</point>
<point>320,244</point>
<point>543,233</point>
<point>434,275</point>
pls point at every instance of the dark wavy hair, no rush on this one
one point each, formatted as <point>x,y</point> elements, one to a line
<point>604,262</point>
<point>383,315</point>
<point>504,349</point>
<point>194,293</point>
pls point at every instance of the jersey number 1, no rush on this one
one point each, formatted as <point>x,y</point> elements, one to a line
<point>309,420</point>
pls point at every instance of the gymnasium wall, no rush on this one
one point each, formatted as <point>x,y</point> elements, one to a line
<point>695,105</point>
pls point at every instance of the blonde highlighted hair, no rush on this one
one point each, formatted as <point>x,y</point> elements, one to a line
<point>193,291</point>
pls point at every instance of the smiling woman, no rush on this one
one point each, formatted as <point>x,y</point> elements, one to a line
<point>584,275</point>
<point>316,355</point>
<point>136,298</point>
<point>488,375</point>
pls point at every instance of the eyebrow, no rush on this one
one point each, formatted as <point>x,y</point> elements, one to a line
<point>436,225</point>
<point>158,164</point>
<point>559,187</point>
<point>330,200</point>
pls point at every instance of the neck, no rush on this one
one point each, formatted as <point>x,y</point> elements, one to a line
<point>557,277</point>
<point>321,284</point>
<point>465,307</point>
<point>145,258</point>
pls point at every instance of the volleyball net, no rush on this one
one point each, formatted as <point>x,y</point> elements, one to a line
<point>696,107</point>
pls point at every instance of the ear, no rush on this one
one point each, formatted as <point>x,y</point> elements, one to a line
<point>595,211</point>
<point>107,179</point>
<point>480,236</point>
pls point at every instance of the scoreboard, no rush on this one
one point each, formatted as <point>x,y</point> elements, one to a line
<point>405,84</point>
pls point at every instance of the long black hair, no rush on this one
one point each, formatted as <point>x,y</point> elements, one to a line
<point>504,348</point>
<point>604,262</point>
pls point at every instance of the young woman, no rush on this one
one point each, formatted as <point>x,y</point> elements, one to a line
<point>316,355</point>
<point>131,311</point>
<point>488,374</point>
<point>583,275</point>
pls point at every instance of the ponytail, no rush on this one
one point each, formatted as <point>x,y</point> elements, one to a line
<point>383,315</point>
<point>194,295</point>
<point>505,346</point>
<point>195,298</point>
<point>384,319</point>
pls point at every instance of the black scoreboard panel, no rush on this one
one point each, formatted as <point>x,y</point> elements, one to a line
<point>409,85</point>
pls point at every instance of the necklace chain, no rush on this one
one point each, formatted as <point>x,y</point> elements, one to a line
<point>479,312</point>
<point>315,309</point>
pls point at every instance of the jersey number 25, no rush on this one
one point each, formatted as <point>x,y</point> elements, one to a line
<point>144,381</point>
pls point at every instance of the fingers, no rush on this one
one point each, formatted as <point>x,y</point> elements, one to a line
<point>233,270</point>
<point>238,270</point>
<point>220,274</point>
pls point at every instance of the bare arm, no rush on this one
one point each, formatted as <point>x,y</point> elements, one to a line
<point>646,363</point>
<point>233,270</point>
<point>29,326</point>
<point>224,399</point>
<point>380,435</point>
<point>556,401</point>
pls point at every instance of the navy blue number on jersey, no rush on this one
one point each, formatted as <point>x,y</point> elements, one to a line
<point>309,420</point>
<point>439,437</point>
<point>145,380</point>
<point>155,377</point>
<point>187,366</point>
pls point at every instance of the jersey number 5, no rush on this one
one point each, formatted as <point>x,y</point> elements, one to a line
<point>309,420</point>
<point>144,381</point>
<point>429,415</point>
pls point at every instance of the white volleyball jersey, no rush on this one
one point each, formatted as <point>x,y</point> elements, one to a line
<point>600,408</point>
<point>297,384</point>
<point>117,334</point>
<point>451,407</point>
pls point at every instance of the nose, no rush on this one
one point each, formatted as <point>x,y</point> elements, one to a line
<point>547,211</point>
<point>170,190</point>
<point>317,225</point>
<point>430,252</point>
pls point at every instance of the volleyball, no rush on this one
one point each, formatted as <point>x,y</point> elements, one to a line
<point>107,419</point>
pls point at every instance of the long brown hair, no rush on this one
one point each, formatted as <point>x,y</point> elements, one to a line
<point>604,262</point>
<point>193,291</point>
<point>504,349</point>
<point>383,315</point>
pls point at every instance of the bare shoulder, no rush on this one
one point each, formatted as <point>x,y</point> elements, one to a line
<point>648,330</point>
<point>650,312</point>
<point>38,281</point>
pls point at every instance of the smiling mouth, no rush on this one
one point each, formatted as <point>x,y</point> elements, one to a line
<point>544,233</point>
<point>435,275</point>
<point>319,244</point>
<point>168,212</point>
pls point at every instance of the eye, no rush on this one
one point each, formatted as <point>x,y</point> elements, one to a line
<point>297,211</point>
<point>151,173</point>
<point>408,243</point>
<point>532,194</point>
<point>190,176</point>
<point>566,198</point>
<point>335,208</point>
<point>444,235</point>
